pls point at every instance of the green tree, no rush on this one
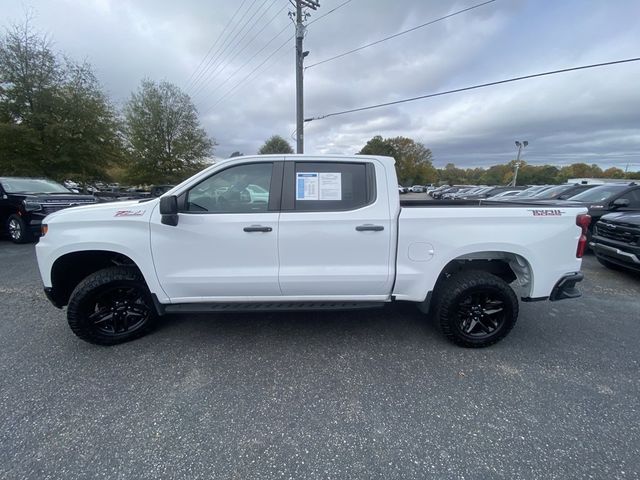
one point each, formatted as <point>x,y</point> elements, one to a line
<point>165,140</point>
<point>54,118</point>
<point>275,144</point>
<point>414,162</point>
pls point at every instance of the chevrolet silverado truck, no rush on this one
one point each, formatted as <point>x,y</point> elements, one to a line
<point>306,232</point>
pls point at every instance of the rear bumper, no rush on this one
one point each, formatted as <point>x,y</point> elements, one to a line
<point>566,287</point>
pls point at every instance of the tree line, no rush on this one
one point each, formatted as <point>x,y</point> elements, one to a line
<point>56,121</point>
<point>414,164</point>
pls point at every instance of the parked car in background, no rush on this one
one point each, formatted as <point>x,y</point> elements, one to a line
<point>24,202</point>
<point>417,189</point>
<point>556,192</point>
<point>402,190</point>
<point>609,198</point>
<point>506,194</point>
<point>449,190</point>
<point>159,190</point>
<point>532,190</point>
<point>490,192</point>
<point>616,240</point>
<point>454,193</point>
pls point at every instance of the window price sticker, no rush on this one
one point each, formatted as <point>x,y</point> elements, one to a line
<point>318,186</point>
<point>307,186</point>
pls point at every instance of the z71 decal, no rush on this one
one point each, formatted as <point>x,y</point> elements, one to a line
<point>129,213</point>
<point>547,212</point>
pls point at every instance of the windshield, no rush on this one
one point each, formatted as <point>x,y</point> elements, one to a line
<point>32,185</point>
<point>532,191</point>
<point>598,194</point>
<point>552,192</point>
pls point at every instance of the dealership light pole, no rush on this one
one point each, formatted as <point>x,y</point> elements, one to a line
<point>520,146</point>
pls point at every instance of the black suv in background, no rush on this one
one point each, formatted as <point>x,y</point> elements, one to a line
<point>24,202</point>
<point>616,240</point>
<point>608,198</point>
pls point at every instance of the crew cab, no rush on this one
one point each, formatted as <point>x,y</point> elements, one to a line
<point>24,202</point>
<point>330,232</point>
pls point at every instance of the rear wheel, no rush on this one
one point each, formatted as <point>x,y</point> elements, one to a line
<point>111,306</point>
<point>18,230</point>
<point>476,309</point>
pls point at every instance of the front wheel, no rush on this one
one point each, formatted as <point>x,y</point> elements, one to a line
<point>111,306</point>
<point>18,230</point>
<point>476,309</point>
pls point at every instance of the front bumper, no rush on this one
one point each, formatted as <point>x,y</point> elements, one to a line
<point>566,287</point>
<point>619,253</point>
<point>35,224</point>
<point>53,298</point>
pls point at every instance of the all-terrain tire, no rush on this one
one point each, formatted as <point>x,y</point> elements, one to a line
<point>111,306</point>
<point>475,308</point>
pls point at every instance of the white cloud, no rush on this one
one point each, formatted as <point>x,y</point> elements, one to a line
<point>583,116</point>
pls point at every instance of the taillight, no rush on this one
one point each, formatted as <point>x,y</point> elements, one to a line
<point>583,220</point>
<point>44,228</point>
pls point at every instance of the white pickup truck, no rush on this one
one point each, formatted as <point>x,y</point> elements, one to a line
<point>306,232</point>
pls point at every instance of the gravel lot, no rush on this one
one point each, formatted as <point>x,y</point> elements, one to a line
<point>373,394</point>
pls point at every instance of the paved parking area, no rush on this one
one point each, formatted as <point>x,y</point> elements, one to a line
<point>373,394</point>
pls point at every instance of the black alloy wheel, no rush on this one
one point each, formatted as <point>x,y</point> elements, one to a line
<point>111,306</point>
<point>481,314</point>
<point>119,311</point>
<point>475,308</point>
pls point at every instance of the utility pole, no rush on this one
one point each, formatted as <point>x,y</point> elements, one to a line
<point>520,146</point>
<point>300,17</point>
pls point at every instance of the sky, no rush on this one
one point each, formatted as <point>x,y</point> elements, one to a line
<point>244,88</point>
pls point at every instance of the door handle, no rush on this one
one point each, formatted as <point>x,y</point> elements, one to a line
<point>257,228</point>
<point>369,228</point>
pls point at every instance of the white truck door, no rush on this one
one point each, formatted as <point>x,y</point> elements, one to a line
<point>225,243</point>
<point>335,230</point>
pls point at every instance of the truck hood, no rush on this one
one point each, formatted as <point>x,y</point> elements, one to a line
<point>628,218</point>
<point>131,208</point>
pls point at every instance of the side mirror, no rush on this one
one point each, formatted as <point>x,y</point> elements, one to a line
<point>620,203</point>
<point>169,210</point>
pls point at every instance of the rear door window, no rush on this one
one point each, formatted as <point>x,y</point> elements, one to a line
<point>325,186</point>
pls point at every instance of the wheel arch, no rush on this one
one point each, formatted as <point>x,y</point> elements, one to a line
<point>511,267</point>
<point>70,269</point>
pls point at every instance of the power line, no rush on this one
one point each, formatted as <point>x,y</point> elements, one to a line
<point>234,52</point>
<point>515,79</point>
<point>329,12</point>
<point>250,59</point>
<point>215,43</point>
<point>218,87</point>
<point>398,34</point>
<point>214,59</point>
<point>247,77</point>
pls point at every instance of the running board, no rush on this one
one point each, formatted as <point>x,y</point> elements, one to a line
<point>263,306</point>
